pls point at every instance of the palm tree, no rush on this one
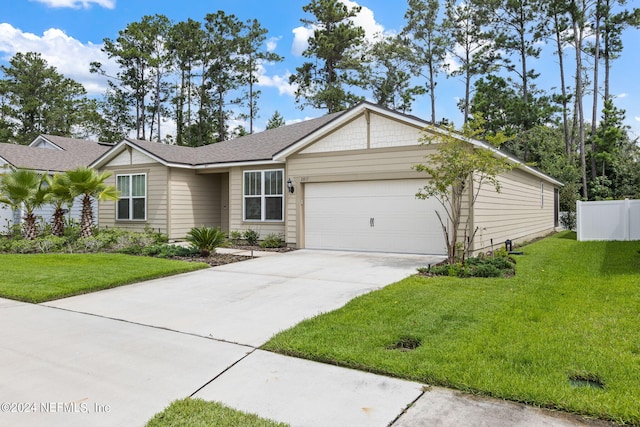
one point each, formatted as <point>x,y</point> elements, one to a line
<point>89,184</point>
<point>59,196</point>
<point>24,189</point>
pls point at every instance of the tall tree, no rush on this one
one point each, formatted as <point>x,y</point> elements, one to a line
<point>389,77</point>
<point>139,51</point>
<point>221,71</point>
<point>37,99</point>
<point>253,55</point>
<point>428,42</point>
<point>465,25</point>
<point>326,80</point>
<point>275,121</point>
<point>185,44</point>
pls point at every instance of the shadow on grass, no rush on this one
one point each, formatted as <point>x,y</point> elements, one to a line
<point>621,258</point>
<point>571,235</point>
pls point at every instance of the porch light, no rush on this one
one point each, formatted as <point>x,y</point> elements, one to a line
<point>290,186</point>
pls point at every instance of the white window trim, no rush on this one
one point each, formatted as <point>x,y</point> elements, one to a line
<point>146,192</point>
<point>263,197</point>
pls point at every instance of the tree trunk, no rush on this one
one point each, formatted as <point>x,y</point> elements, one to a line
<point>594,110</point>
<point>565,107</point>
<point>577,38</point>
<point>87,217</point>
<point>57,226</point>
<point>30,227</point>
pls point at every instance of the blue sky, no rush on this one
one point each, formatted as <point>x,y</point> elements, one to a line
<point>70,33</point>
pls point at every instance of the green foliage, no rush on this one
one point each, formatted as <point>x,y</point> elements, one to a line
<point>275,121</point>
<point>235,236</point>
<point>335,63</point>
<point>454,165</point>
<point>24,189</point>
<point>499,265</point>
<point>39,100</point>
<point>199,413</point>
<point>169,251</point>
<point>251,236</point>
<point>271,241</point>
<point>88,183</point>
<point>206,239</point>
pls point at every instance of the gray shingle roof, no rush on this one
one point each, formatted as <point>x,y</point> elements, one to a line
<point>255,147</point>
<point>74,153</point>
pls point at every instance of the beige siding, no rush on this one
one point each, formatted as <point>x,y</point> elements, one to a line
<point>236,222</point>
<point>386,132</point>
<point>157,198</point>
<point>195,201</point>
<point>351,136</point>
<point>516,213</point>
<point>372,164</point>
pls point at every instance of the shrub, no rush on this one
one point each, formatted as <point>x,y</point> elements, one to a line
<point>205,239</point>
<point>49,243</point>
<point>271,241</point>
<point>499,265</point>
<point>235,237</point>
<point>168,251</point>
<point>251,236</point>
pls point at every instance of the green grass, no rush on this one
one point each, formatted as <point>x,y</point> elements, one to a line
<point>45,277</point>
<point>199,413</point>
<point>572,310</point>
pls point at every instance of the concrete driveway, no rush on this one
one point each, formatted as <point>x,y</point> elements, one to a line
<point>118,356</point>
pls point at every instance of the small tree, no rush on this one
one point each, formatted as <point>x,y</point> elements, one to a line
<point>24,189</point>
<point>59,196</point>
<point>457,169</point>
<point>88,183</point>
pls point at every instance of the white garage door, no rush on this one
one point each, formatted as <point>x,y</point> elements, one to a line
<point>372,216</point>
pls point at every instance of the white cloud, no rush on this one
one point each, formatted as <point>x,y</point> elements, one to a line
<point>79,4</point>
<point>272,43</point>
<point>301,36</point>
<point>622,95</point>
<point>69,56</point>
<point>279,82</point>
<point>365,19</point>
<point>294,121</point>
<point>637,118</point>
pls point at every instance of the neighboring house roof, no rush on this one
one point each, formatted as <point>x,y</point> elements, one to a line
<point>53,153</point>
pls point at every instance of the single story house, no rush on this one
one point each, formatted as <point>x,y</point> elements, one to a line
<point>342,181</point>
<point>47,154</point>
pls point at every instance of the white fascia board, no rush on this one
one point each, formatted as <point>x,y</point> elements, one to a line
<point>40,137</point>
<point>119,148</point>
<point>239,164</point>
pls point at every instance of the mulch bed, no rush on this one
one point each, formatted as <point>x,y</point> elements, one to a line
<point>222,259</point>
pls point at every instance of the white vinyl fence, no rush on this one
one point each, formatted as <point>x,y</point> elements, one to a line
<point>608,220</point>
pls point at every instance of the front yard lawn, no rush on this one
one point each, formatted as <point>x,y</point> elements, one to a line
<point>199,413</point>
<point>44,277</point>
<point>563,333</point>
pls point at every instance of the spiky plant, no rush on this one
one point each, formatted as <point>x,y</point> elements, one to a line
<point>89,184</point>
<point>24,189</point>
<point>206,239</point>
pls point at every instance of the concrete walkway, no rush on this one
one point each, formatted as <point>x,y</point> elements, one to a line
<point>117,357</point>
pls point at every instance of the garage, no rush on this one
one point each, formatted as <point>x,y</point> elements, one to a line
<point>378,216</point>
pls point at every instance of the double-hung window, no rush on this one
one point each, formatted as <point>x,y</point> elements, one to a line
<point>263,195</point>
<point>132,204</point>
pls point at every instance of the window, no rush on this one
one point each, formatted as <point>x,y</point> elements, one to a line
<point>264,195</point>
<point>542,194</point>
<point>132,204</point>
